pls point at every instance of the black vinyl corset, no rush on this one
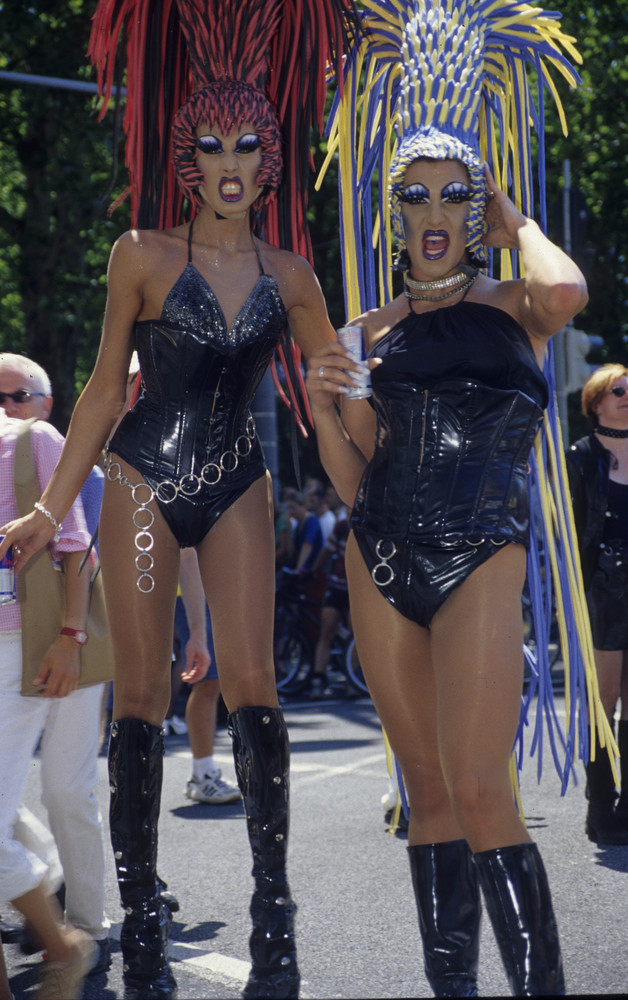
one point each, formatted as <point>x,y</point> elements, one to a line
<point>450,463</point>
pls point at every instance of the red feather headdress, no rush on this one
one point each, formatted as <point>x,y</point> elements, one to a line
<point>267,58</point>
<point>281,49</point>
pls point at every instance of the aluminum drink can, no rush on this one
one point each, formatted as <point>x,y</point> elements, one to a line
<point>7,577</point>
<point>352,339</point>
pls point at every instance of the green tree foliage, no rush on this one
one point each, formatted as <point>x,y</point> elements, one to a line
<point>55,161</point>
<point>597,148</point>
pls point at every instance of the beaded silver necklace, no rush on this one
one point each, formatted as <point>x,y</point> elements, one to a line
<point>461,281</point>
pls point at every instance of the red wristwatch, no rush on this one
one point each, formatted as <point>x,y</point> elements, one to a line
<point>78,634</point>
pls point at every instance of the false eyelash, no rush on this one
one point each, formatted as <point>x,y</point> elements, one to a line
<point>209,144</point>
<point>248,143</point>
<point>456,192</point>
<point>414,194</point>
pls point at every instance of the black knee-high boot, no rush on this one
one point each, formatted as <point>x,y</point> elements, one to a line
<point>262,756</point>
<point>621,810</point>
<point>519,905</point>
<point>603,825</point>
<point>447,895</point>
<point>136,753</point>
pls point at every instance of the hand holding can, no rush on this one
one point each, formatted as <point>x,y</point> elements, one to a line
<point>8,594</point>
<point>352,339</point>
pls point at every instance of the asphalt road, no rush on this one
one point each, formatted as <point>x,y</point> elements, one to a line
<point>357,926</point>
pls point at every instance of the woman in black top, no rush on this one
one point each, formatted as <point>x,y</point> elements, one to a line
<point>598,476</point>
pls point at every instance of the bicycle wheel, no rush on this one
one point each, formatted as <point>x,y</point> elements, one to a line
<point>353,668</point>
<point>294,661</point>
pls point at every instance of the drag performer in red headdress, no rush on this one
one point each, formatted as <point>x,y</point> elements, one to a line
<point>205,302</point>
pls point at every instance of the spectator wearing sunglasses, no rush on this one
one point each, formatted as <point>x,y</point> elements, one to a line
<point>598,476</point>
<point>71,726</point>
<point>25,389</point>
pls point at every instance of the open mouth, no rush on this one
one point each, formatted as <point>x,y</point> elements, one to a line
<point>231,189</point>
<point>435,244</point>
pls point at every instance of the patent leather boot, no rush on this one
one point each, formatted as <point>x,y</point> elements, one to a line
<point>447,894</point>
<point>621,809</point>
<point>261,753</point>
<point>603,823</point>
<point>136,753</point>
<point>519,905</point>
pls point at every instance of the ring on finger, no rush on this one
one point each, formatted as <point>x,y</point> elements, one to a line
<point>321,371</point>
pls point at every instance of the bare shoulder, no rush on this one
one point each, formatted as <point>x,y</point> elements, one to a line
<point>128,256</point>
<point>376,323</point>
<point>504,295</point>
<point>294,274</point>
<point>144,265</point>
<point>137,246</point>
<point>509,296</point>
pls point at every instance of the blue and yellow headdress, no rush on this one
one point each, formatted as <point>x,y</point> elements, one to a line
<point>444,79</point>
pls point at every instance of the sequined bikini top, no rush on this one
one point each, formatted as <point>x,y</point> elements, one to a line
<point>191,303</point>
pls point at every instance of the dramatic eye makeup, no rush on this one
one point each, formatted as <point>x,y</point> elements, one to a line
<point>455,192</point>
<point>248,143</point>
<point>209,144</point>
<point>415,194</point>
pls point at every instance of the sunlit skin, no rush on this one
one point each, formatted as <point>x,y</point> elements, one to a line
<point>434,211</point>
<point>229,164</point>
<point>612,410</point>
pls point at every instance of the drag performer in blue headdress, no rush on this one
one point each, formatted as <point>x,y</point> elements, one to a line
<point>220,99</point>
<point>436,468</point>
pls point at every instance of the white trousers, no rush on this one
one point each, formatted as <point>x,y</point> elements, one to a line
<point>69,729</point>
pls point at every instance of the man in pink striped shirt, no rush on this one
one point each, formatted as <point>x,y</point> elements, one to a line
<point>67,719</point>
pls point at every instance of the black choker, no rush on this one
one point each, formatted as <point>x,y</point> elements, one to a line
<point>611,432</point>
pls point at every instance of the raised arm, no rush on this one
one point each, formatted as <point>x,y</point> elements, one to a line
<point>553,288</point>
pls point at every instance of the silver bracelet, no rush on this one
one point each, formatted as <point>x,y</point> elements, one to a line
<point>42,510</point>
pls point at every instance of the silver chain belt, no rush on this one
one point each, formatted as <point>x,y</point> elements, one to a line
<point>168,490</point>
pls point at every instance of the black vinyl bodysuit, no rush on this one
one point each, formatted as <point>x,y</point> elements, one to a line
<point>459,397</point>
<point>191,434</point>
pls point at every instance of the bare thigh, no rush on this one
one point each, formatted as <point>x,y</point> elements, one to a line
<point>237,562</point>
<point>476,642</point>
<point>449,698</point>
<point>395,657</point>
<point>141,624</point>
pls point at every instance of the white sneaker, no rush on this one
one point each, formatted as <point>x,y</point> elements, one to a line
<point>212,789</point>
<point>175,725</point>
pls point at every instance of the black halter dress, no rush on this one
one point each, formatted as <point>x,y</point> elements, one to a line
<point>191,434</point>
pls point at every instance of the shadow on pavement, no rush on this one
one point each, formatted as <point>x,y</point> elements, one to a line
<point>613,857</point>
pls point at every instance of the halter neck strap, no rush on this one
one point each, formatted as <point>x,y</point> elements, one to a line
<point>255,247</point>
